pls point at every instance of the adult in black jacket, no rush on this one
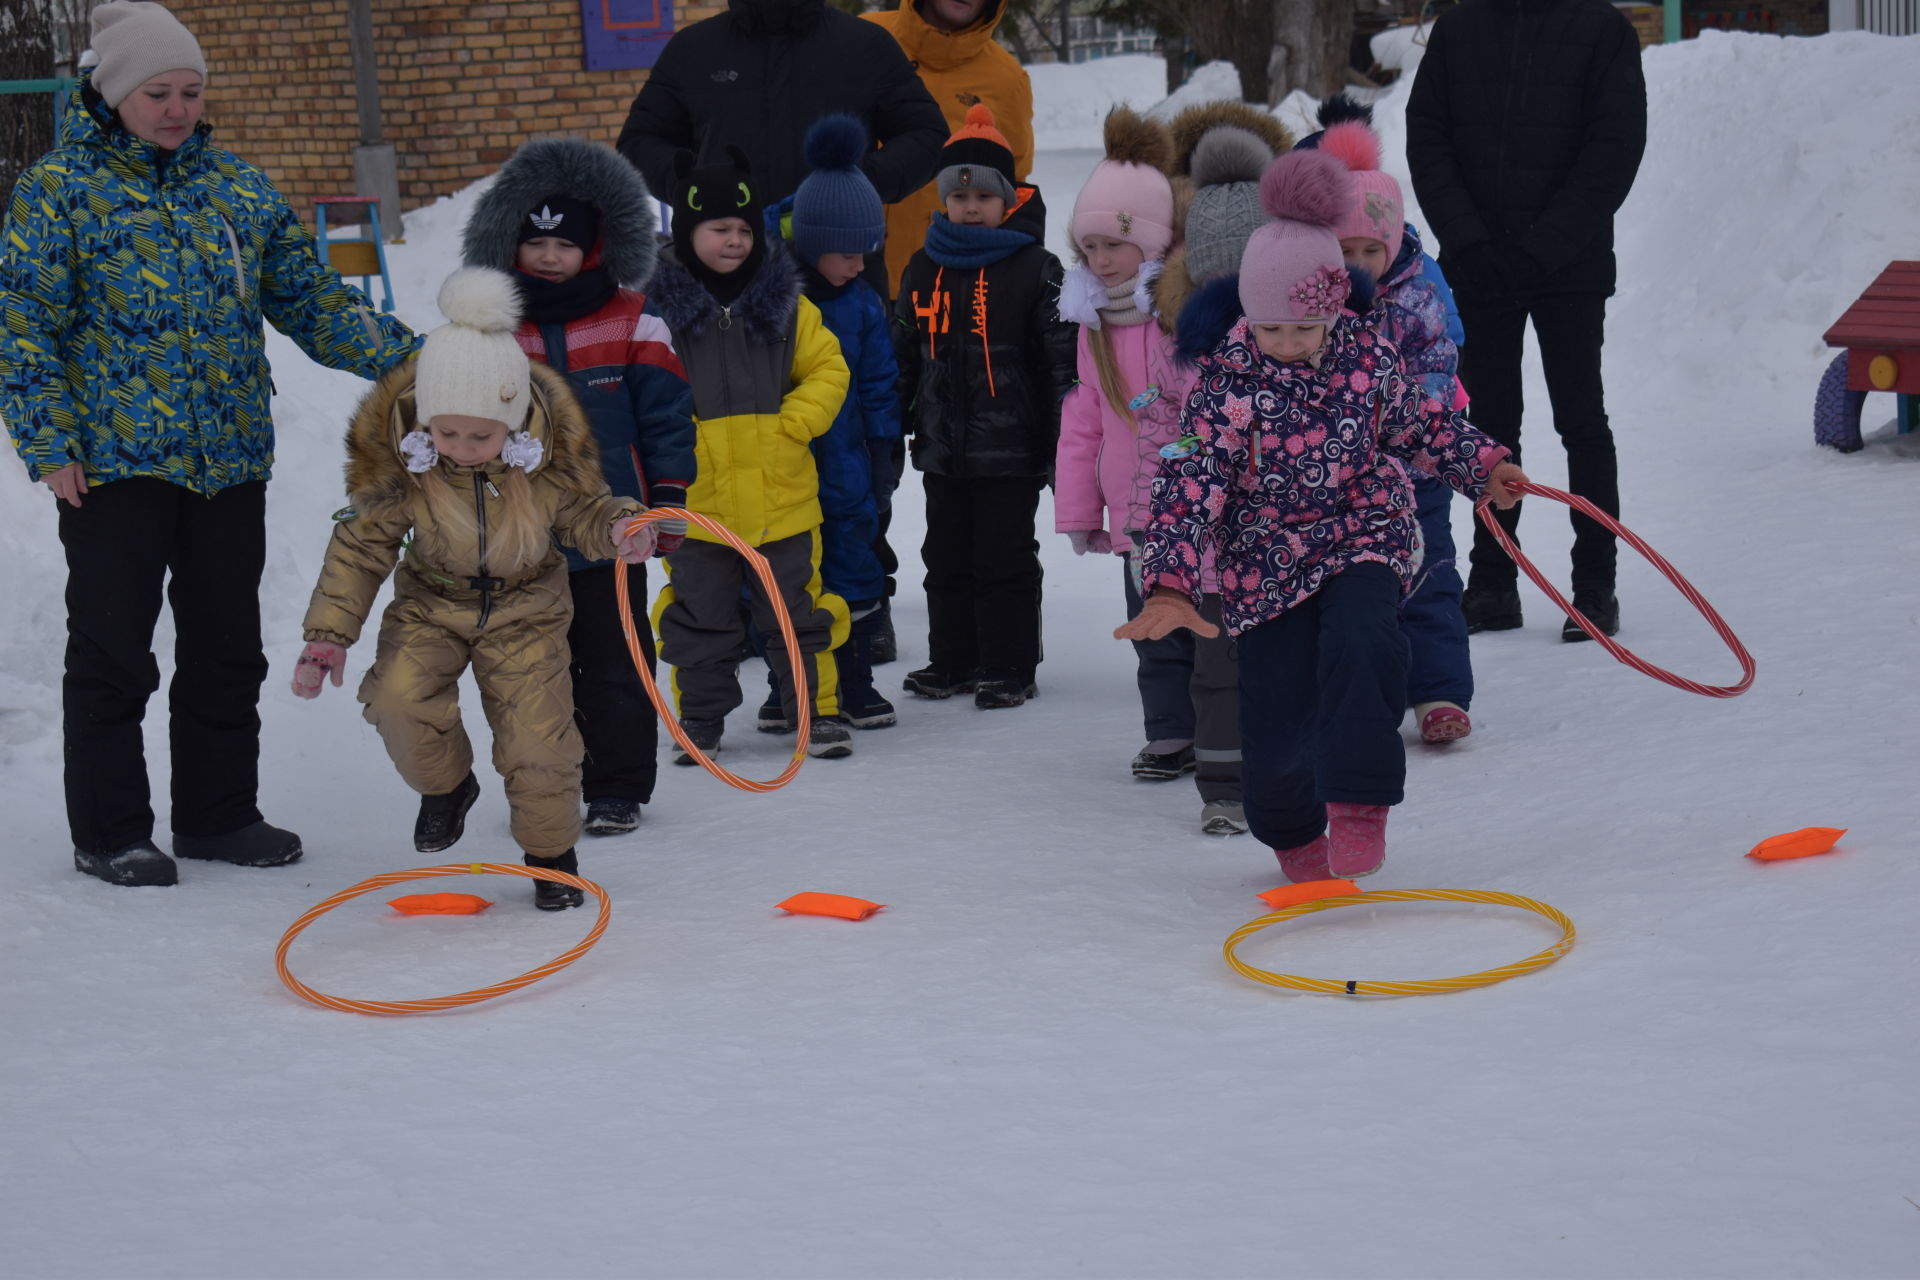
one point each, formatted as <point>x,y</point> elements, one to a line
<point>1525,128</point>
<point>760,74</point>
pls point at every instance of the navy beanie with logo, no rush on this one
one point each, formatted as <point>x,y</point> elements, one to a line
<point>563,217</point>
<point>835,209</point>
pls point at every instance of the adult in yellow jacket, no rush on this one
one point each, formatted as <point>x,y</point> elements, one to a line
<point>951,45</point>
<point>767,377</point>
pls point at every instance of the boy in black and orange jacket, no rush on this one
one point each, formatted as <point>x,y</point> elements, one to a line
<point>985,360</point>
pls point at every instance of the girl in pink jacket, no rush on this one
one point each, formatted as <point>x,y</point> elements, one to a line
<point>1123,412</point>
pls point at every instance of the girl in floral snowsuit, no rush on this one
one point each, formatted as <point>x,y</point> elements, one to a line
<point>1298,431</point>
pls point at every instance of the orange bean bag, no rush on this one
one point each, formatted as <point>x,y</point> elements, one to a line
<point>1803,843</point>
<point>439,904</point>
<point>830,904</point>
<point>1288,895</point>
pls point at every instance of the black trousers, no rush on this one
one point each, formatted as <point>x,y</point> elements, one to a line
<point>616,718</point>
<point>1570,328</point>
<point>1322,690</point>
<point>983,575</point>
<point>127,540</point>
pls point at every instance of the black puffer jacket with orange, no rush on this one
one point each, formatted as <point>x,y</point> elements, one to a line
<point>985,358</point>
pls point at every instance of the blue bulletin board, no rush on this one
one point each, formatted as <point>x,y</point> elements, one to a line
<point>624,35</point>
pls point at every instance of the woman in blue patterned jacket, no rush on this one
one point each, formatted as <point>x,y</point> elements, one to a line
<point>137,265</point>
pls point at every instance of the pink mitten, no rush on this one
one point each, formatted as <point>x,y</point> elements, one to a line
<point>310,670</point>
<point>668,535</point>
<point>1098,541</point>
<point>631,547</point>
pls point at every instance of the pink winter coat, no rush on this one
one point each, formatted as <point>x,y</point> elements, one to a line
<point>1104,466</point>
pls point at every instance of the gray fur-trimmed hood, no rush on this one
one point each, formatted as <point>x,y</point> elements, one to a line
<point>589,171</point>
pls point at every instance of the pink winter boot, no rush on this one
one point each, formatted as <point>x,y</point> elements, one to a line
<point>1305,862</point>
<point>1442,722</point>
<point>1356,839</point>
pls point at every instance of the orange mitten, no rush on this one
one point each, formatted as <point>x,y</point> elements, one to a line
<point>1803,843</point>
<point>439,904</point>
<point>830,904</point>
<point>1291,895</point>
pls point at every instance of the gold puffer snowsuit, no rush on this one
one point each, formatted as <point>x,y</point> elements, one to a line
<point>482,582</point>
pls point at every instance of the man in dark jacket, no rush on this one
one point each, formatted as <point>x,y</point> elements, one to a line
<point>1525,128</point>
<point>760,74</point>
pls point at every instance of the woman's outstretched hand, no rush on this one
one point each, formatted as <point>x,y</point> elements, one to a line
<point>316,662</point>
<point>68,483</point>
<point>1165,612</point>
<point>1500,485</point>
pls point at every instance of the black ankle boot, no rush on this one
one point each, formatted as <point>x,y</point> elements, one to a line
<point>1602,610</point>
<point>259,844</point>
<point>140,863</point>
<point>551,895</point>
<point>443,819</point>
<point>1491,609</point>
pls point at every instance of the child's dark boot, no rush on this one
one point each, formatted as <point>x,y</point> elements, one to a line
<point>1004,689</point>
<point>443,819</point>
<point>551,895</point>
<point>704,734</point>
<point>931,682</point>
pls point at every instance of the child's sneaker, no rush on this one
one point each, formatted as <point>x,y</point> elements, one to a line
<point>1155,765</point>
<point>1223,818</point>
<point>828,738</point>
<point>872,713</point>
<point>1442,722</point>
<point>990,695</point>
<point>551,895</point>
<point>1356,839</point>
<point>931,682</point>
<point>612,816</point>
<point>1305,862</point>
<point>704,734</point>
<point>770,718</point>
<point>443,819</point>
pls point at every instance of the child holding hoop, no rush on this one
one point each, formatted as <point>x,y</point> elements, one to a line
<point>1292,473</point>
<point>469,466</point>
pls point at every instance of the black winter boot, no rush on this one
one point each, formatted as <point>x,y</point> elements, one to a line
<point>551,895</point>
<point>1491,609</point>
<point>139,863</point>
<point>1603,611</point>
<point>258,845</point>
<point>443,819</point>
<point>883,646</point>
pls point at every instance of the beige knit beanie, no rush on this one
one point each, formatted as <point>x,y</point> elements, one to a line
<point>136,41</point>
<point>471,365</point>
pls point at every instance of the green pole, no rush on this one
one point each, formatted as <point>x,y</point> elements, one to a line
<point>1672,33</point>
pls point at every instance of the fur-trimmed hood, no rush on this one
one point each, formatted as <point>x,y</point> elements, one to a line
<point>764,307</point>
<point>589,171</point>
<point>377,474</point>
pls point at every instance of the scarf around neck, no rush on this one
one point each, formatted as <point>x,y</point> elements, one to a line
<point>953,245</point>
<point>1122,306</point>
<point>558,302</point>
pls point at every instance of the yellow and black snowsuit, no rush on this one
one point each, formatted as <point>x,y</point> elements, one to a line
<point>482,581</point>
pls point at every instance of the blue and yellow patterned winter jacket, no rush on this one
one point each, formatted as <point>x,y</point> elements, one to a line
<point>133,283</point>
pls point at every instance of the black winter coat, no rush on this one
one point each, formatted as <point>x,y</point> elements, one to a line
<point>760,74</point>
<point>1525,127</point>
<point>985,359</point>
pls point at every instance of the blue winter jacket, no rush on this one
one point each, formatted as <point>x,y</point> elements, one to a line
<point>133,284</point>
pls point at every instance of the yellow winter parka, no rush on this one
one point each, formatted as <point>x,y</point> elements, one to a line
<point>481,580</point>
<point>959,69</point>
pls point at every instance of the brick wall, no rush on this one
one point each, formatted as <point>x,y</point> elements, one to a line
<point>461,85</point>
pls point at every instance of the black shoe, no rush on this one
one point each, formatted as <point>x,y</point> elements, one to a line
<point>770,718</point>
<point>551,895</point>
<point>139,863</point>
<point>443,819</point>
<point>704,734</point>
<point>873,712</point>
<point>1602,611</point>
<point>1152,766</point>
<point>258,845</point>
<point>612,816</point>
<point>991,695</point>
<point>1491,609</point>
<point>882,647</point>
<point>931,682</point>
<point>828,738</point>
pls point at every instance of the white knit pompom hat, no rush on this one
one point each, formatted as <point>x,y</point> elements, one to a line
<point>471,365</point>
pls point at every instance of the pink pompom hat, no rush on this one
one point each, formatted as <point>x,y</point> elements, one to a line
<point>1292,271</point>
<point>1380,212</point>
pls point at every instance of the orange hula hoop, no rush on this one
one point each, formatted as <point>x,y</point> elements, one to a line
<point>1658,561</point>
<point>803,719</point>
<point>437,1003</point>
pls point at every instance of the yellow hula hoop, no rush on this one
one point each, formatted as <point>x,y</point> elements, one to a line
<point>1438,986</point>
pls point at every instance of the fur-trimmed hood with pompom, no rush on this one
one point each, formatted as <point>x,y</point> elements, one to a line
<point>588,171</point>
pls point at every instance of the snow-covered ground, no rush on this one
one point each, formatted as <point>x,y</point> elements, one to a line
<point>1034,1062</point>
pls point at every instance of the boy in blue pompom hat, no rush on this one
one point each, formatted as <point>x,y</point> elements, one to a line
<point>833,221</point>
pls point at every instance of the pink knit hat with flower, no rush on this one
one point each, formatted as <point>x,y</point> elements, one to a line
<point>1381,211</point>
<point>1129,196</point>
<point>1292,271</point>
